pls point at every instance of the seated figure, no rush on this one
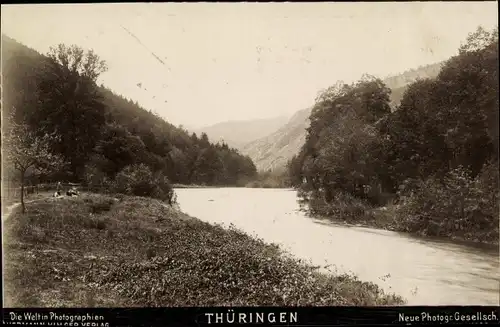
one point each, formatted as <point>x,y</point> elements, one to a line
<point>72,192</point>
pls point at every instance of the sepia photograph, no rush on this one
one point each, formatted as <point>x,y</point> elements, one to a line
<point>315,154</point>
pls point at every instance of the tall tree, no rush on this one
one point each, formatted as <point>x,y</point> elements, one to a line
<point>342,144</point>
<point>70,103</point>
<point>209,167</point>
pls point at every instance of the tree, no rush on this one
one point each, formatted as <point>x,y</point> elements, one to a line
<point>70,104</point>
<point>342,145</point>
<point>120,148</point>
<point>470,104</point>
<point>479,40</point>
<point>208,167</point>
<point>179,166</point>
<point>102,132</point>
<point>414,134</point>
<point>203,141</point>
<point>25,150</point>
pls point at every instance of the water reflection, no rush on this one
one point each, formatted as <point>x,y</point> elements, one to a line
<point>425,271</point>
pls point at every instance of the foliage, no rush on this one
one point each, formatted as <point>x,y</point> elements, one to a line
<point>342,148</point>
<point>457,206</point>
<point>25,151</point>
<point>69,103</point>
<point>100,132</point>
<point>442,126</point>
<point>162,258</point>
<point>139,180</point>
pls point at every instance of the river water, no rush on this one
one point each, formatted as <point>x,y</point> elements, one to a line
<point>425,272</point>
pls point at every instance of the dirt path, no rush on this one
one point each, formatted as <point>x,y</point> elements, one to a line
<point>7,211</point>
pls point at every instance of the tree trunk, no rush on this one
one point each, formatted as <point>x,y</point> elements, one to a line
<point>22,193</point>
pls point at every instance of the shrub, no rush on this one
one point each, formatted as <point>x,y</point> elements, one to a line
<point>487,184</point>
<point>139,180</point>
<point>457,205</point>
<point>343,206</point>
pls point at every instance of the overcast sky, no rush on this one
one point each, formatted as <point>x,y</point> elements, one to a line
<point>236,61</point>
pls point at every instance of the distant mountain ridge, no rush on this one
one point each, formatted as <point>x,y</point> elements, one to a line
<point>237,133</point>
<point>273,151</point>
<point>409,76</point>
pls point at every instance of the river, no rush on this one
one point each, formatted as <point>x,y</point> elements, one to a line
<point>425,272</point>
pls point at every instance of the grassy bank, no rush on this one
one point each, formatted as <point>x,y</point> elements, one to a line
<point>190,186</point>
<point>130,251</point>
<point>405,218</point>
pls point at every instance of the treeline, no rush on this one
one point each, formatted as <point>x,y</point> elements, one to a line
<point>101,134</point>
<point>277,178</point>
<point>435,156</point>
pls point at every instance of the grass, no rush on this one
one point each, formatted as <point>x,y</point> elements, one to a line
<point>100,251</point>
<point>352,211</point>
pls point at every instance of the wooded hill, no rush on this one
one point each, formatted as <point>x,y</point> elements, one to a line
<point>436,155</point>
<point>99,132</point>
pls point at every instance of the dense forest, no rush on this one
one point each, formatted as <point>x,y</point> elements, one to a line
<point>433,161</point>
<point>100,134</point>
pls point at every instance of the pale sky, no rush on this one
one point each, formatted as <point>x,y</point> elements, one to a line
<point>237,61</point>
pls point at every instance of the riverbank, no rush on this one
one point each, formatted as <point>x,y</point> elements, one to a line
<point>384,219</point>
<point>97,251</point>
<point>253,184</point>
<point>191,186</point>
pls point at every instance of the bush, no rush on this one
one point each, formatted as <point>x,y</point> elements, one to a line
<point>487,184</point>
<point>456,206</point>
<point>139,180</point>
<point>343,206</point>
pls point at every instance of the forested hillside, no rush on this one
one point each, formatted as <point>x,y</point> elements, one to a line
<point>409,76</point>
<point>100,133</point>
<point>436,156</point>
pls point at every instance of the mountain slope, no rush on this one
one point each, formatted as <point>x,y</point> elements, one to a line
<point>126,133</point>
<point>238,133</point>
<point>274,150</point>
